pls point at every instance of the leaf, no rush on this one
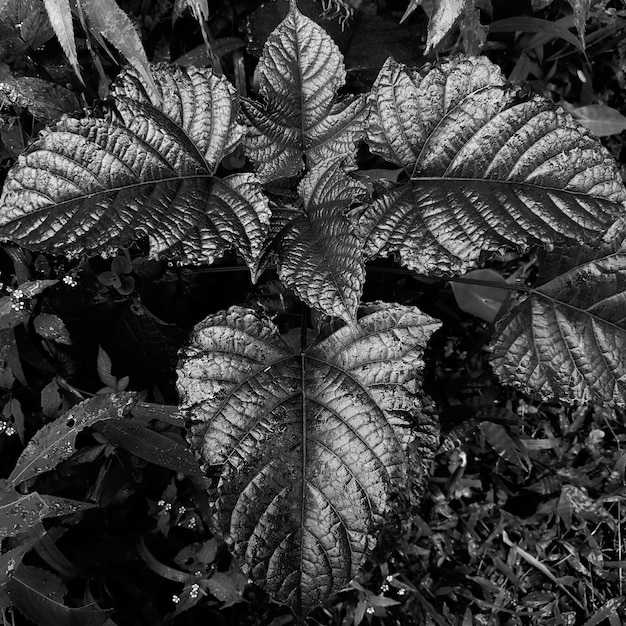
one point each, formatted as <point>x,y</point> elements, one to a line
<point>60,15</point>
<point>227,587</point>
<point>318,254</point>
<point>500,440</point>
<point>203,105</point>
<point>38,594</point>
<point>442,21</point>
<point>581,12</point>
<point>93,185</point>
<point>567,338</point>
<point>483,301</point>
<point>11,314</point>
<point>45,101</point>
<point>299,73</point>
<point>490,168</point>
<point>149,445</point>
<point>54,443</point>
<point>600,119</point>
<point>52,327</point>
<point>366,41</point>
<point>311,444</point>
<point>103,367</point>
<point>106,17</point>
<point>536,25</point>
<point>19,513</point>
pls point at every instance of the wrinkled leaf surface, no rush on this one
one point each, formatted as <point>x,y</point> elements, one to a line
<point>568,337</point>
<point>310,443</point>
<point>92,185</point>
<point>490,168</point>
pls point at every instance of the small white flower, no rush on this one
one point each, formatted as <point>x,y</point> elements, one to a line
<point>401,592</point>
<point>389,578</point>
<point>370,610</point>
<point>70,281</point>
<point>161,503</point>
<point>17,294</point>
<point>175,599</point>
<point>384,587</point>
<point>191,523</point>
<point>195,591</point>
<point>181,510</point>
<point>10,431</point>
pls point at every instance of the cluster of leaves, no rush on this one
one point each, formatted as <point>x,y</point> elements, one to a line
<point>154,172</point>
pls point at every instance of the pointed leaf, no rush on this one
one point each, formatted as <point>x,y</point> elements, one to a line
<point>52,327</point>
<point>19,513</point>
<point>311,443</point>
<point>54,443</point>
<point>38,594</point>
<point>490,168</point>
<point>442,21</point>
<point>93,185</point>
<point>318,254</point>
<point>481,300</point>
<point>567,338</point>
<point>600,119</point>
<point>106,18</point>
<point>60,15</point>
<point>299,73</point>
<point>581,11</point>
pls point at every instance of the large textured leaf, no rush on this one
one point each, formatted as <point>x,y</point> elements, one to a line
<point>317,253</point>
<point>567,339</point>
<point>299,73</point>
<point>490,168</point>
<point>311,443</point>
<point>92,185</point>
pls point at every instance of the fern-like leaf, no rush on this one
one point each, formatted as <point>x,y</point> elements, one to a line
<point>299,73</point>
<point>317,253</point>
<point>489,168</point>
<point>568,337</point>
<point>311,443</point>
<point>92,185</point>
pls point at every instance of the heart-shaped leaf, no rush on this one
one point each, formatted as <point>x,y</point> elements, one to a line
<point>311,443</point>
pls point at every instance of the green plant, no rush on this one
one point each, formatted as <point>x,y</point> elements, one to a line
<point>314,428</point>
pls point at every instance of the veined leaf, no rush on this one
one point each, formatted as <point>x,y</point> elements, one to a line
<point>92,185</point>
<point>311,443</point>
<point>317,253</point>
<point>567,338</point>
<point>489,168</point>
<point>203,105</point>
<point>54,443</point>
<point>299,73</point>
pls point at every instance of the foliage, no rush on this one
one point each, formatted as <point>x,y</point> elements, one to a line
<point>307,406</point>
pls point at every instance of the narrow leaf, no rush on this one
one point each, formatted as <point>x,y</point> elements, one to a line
<point>60,15</point>
<point>490,168</point>
<point>299,73</point>
<point>54,443</point>
<point>149,445</point>
<point>442,20</point>
<point>106,17</point>
<point>311,445</point>
<point>567,338</point>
